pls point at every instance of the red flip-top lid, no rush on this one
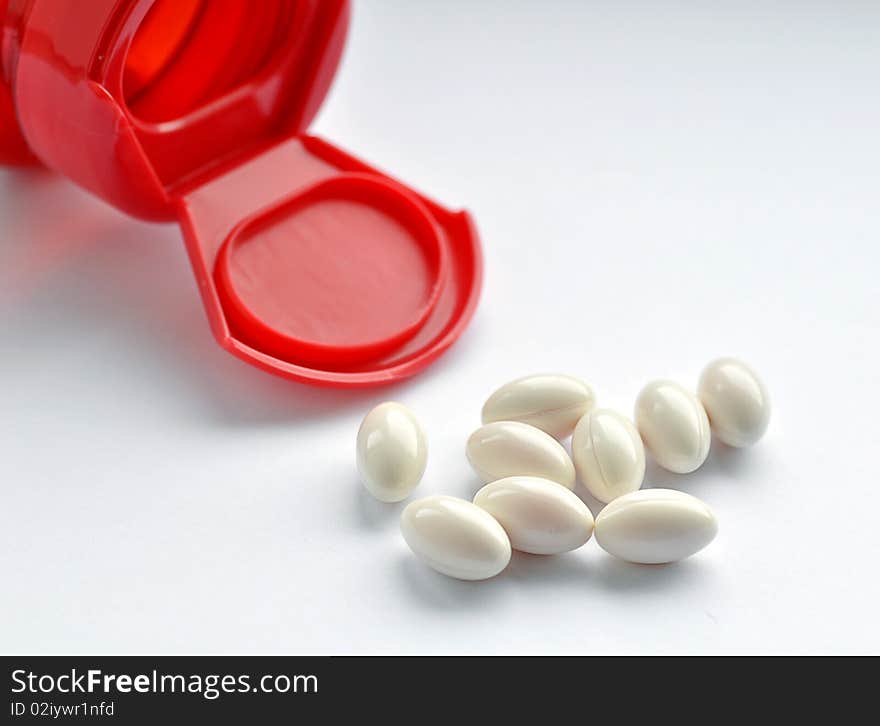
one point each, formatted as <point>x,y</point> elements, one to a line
<point>311,264</point>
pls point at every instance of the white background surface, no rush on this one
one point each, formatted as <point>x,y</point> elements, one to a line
<point>656,184</point>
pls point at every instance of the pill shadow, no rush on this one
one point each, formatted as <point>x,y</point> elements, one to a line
<point>589,569</point>
<point>617,575</point>
<point>370,513</point>
<point>471,485</point>
<point>724,462</point>
<point>594,572</point>
<point>569,569</point>
<point>438,592</point>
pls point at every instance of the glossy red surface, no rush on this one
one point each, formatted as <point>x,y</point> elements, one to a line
<point>13,148</point>
<point>311,264</point>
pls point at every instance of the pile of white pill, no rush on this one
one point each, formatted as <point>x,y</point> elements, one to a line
<point>528,502</point>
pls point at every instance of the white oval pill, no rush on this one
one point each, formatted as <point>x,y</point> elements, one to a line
<point>653,526</point>
<point>673,425</point>
<point>608,454</point>
<point>735,400</point>
<point>550,402</point>
<point>455,537</point>
<point>392,452</point>
<point>540,516</point>
<point>511,448</point>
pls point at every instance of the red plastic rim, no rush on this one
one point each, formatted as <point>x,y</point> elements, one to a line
<point>187,53</point>
<point>337,275</point>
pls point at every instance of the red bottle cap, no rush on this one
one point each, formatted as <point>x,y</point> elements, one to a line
<point>311,264</point>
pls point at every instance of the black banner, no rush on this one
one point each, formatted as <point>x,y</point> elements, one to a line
<point>140,689</point>
<point>242,689</point>
<point>160,690</point>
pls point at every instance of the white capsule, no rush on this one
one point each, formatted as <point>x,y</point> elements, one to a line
<point>539,515</point>
<point>392,452</point>
<point>552,403</point>
<point>735,400</point>
<point>511,448</point>
<point>673,426</point>
<point>608,454</point>
<point>653,526</point>
<point>455,537</point>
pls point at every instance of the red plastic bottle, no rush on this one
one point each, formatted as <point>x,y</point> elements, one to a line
<point>311,264</point>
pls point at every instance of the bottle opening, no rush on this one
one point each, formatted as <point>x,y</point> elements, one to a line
<point>187,54</point>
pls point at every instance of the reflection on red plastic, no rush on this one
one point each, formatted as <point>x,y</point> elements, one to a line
<point>163,31</point>
<point>310,263</point>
